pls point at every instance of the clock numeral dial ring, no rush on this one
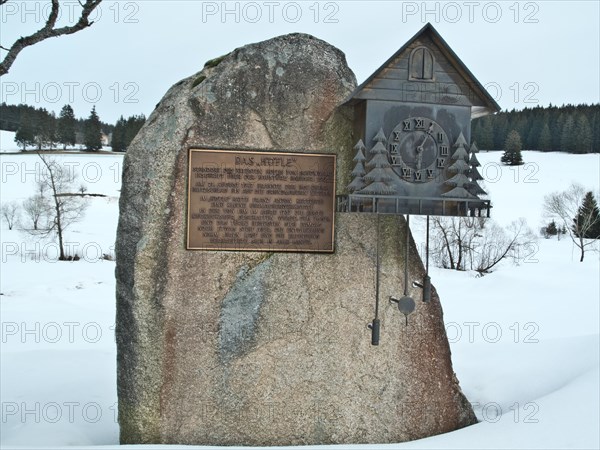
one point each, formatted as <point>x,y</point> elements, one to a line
<point>419,149</point>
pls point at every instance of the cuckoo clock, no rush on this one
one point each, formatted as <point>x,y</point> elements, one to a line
<point>413,120</point>
<point>414,155</point>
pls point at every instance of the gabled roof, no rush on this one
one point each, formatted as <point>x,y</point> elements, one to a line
<point>428,31</point>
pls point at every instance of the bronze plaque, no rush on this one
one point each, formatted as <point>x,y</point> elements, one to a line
<point>260,201</point>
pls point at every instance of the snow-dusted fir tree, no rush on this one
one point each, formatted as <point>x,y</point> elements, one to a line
<point>66,126</point>
<point>512,150</point>
<point>25,134</point>
<point>586,223</point>
<point>359,169</point>
<point>92,131</point>
<point>380,173</point>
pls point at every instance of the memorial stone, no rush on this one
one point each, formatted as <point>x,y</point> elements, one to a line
<point>222,343</point>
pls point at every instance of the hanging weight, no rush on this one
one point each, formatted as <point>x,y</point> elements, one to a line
<point>375,326</point>
<point>427,288</point>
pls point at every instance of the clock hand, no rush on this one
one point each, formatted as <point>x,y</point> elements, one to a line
<point>419,155</point>
<point>427,134</point>
<point>420,147</point>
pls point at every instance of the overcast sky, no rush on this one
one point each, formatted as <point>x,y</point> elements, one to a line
<point>525,53</point>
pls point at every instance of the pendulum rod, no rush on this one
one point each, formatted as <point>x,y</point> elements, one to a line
<point>375,325</point>
<point>406,304</point>
<point>377,264</point>
<point>427,280</point>
<point>427,249</point>
<point>406,255</point>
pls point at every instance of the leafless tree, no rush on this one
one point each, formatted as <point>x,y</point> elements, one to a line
<point>474,243</point>
<point>10,214</point>
<point>453,240</point>
<point>565,207</point>
<point>64,207</point>
<point>36,209</point>
<point>496,243</point>
<point>49,30</point>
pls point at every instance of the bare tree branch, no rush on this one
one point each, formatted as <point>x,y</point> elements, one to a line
<point>48,31</point>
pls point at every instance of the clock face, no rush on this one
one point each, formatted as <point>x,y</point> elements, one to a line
<point>419,149</point>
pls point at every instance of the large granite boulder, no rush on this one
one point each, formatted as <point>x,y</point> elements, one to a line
<point>251,348</point>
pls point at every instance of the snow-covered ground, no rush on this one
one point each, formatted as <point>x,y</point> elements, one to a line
<point>8,145</point>
<point>7,141</point>
<point>525,339</point>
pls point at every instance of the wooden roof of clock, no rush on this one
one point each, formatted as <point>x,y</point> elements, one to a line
<point>452,82</point>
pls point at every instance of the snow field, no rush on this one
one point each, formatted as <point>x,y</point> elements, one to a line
<point>524,339</point>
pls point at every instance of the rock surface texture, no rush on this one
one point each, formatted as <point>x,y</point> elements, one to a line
<point>249,348</point>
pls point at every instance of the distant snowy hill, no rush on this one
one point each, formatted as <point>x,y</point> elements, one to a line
<point>524,339</point>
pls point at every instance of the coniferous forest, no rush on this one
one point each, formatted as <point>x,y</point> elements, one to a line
<point>10,117</point>
<point>45,129</point>
<point>568,128</point>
